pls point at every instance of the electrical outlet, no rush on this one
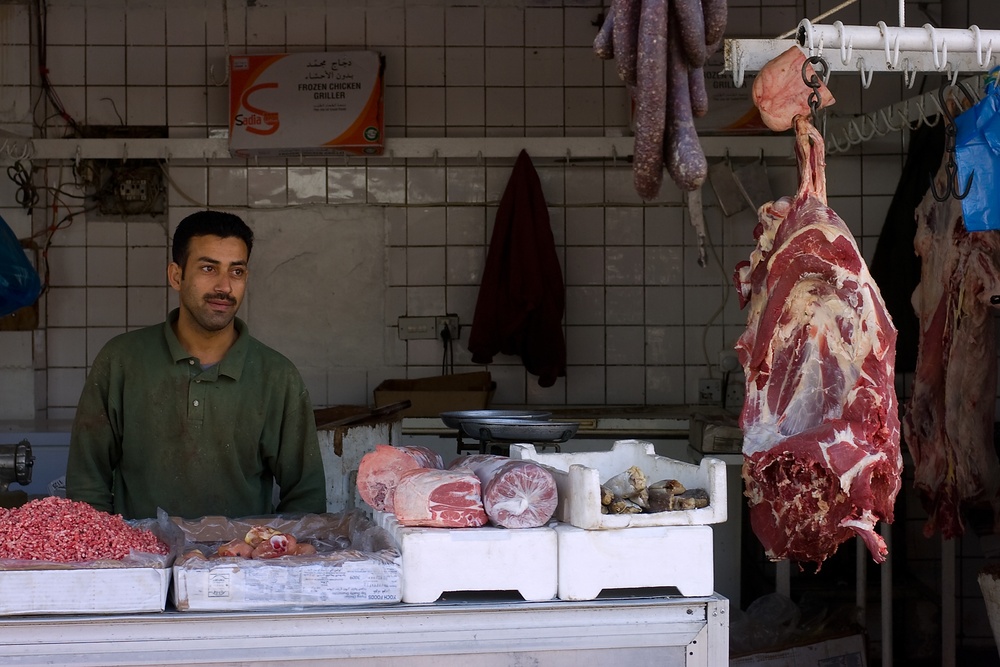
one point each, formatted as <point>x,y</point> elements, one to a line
<point>735,393</point>
<point>417,327</point>
<point>710,391</point>
<point>134,189</point>
<point>450,321</point>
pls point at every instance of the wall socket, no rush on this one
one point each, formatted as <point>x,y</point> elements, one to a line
<point>710,391</point>
<point>415,328</point>
<point>450,321</point>
<point>736,393</point>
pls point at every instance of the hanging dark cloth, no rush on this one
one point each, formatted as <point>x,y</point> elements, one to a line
<point>521,300</point>
<point>895,266</point>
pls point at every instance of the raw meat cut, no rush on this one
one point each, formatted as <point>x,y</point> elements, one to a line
<point>439,499</point>
<point>516,494</point>
<point>948,422</point>
<point>820,421</point>
<point>379,471</point>
<point>780,93</point>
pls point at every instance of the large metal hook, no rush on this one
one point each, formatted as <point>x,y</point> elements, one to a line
<point>952,189</point>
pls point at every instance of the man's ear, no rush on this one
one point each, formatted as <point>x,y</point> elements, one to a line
<point>174,274</point>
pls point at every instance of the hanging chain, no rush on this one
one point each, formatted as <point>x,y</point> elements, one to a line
<point>814,82</point>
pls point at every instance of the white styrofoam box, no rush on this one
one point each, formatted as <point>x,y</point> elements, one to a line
<point>594,560</point>
<point>579,477</point>
<point>83,591</point>
<point>436,560</point>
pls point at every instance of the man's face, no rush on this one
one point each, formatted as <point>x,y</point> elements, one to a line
<point>213,281</point>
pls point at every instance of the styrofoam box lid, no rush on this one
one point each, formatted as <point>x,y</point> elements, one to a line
<point>579,477</point>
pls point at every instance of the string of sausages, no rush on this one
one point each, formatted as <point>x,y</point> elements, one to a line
<point>660,48</point>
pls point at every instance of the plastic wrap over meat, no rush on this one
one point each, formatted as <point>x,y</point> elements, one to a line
<point>516,494</point>
<point>379,471</point>
<point>439,499</point>
<point>948,422</point>
<point>821,426</point>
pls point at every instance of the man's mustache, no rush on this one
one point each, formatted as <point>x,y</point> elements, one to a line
<point>220,297</point>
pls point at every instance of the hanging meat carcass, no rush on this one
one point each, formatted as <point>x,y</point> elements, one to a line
<point>948,422</point>
<point>821,429</point>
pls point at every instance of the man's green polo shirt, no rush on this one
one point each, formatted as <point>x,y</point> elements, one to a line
<point>155,430</point>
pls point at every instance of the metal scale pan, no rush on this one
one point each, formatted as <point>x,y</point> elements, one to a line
<point>507,431</point>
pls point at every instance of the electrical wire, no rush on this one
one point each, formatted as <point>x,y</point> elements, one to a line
<point>41,26</point>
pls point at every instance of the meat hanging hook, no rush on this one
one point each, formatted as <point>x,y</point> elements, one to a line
<point>814,82</point>
<point>952,186</point>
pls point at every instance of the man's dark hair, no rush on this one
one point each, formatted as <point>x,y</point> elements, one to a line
<point>209,223</point>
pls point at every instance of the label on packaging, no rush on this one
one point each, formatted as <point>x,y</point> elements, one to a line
<point>306,104</point>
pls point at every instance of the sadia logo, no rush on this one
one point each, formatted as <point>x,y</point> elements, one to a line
<point>258,121</point>
<point>371,133</point>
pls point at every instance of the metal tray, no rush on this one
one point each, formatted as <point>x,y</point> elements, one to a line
<point>519,430</point>
<point>454,418</point>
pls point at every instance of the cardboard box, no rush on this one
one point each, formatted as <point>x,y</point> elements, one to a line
<point>357,564</point>
<point>300,104</point>
<point>579,477</point>
<point>839,652</point>
<point>433,395</point>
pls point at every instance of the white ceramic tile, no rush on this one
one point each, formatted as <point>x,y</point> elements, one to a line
<point>425,266</point>
<point>861,214</point>
<point>580,24</point>
<point>584,185</point>
<point>145,65</point>
<point>105,266</point>
<point>625,345</point>
<point>504,66</point>
<point>663,305</point>
<point>504,26</point>
<point>67,347</point>
<point>461,300</point>
<point>105,65</point>
<point>624,224</point>
<point>267,186</point>
<point>346,185</point>
<point>505,107</point>
<point>617,109</point>
<point>387,185</point>
<point>464,26</point>
<point>700,303</point>
<point>347,387</point>
<point>584,226</point>
<point>425,185</point>
<point>624,265</point>
<point>425,301</point>
<point>186,66</point>
<point>306,25</point>
<point>106,307</point>
<point>466,184</point>
<point>66,306</point>
<point>584,304</point>
<point>584,345</point>
<point>105,24</point>
<point>698,339</point>
<point>553,181</point>
<point>425,226</point>
<point>425,66</point>
<point>67,65</point>
<point>584,107</point>
<point>543,67</point>
<point>97,338</point>
<point>465,265</point>
<point>664,225</point>
<point>64,386</point>
<point>145,25</point>
<point>664,345</point>
<point>265,25</point>
<point>585,385</point>
<point>582,68</point>
<point>664,265</point>
<point>543,26</point>
<point>105,233</point>
<point>188,183</point>
<point>584,266</point>
<point>465,66</point>
<point>147,105</point>
<point>146,267</point>
<point>346,26</point>
<point>64,22</point>
<point>186,24</point>
<point>145,306</point>
<point>424,26</point>
<point>397,266</point>
<point>465,106</point>
<point>307,185</point>
<point>626,385</point>
<point>395,226</point>
<point>543,107</point>
<point>665,385</point>
<point>186,106</point>
<point>425,106</point>
<point>466,225</point>
<point>510,385</point>
<point>67,266</point>
<point>227,186</point>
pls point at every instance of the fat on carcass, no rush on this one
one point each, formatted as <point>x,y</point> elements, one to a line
<point>780,93</point>
<point>821,428</point>
<point>379,471</point>
<point>948,421</point>
<point>439,499</point>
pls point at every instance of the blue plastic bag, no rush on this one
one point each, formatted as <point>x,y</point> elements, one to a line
<point>977,153</point>
<point>20,285</point>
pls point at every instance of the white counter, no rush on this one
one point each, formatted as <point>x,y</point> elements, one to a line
<point>668,631</point>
